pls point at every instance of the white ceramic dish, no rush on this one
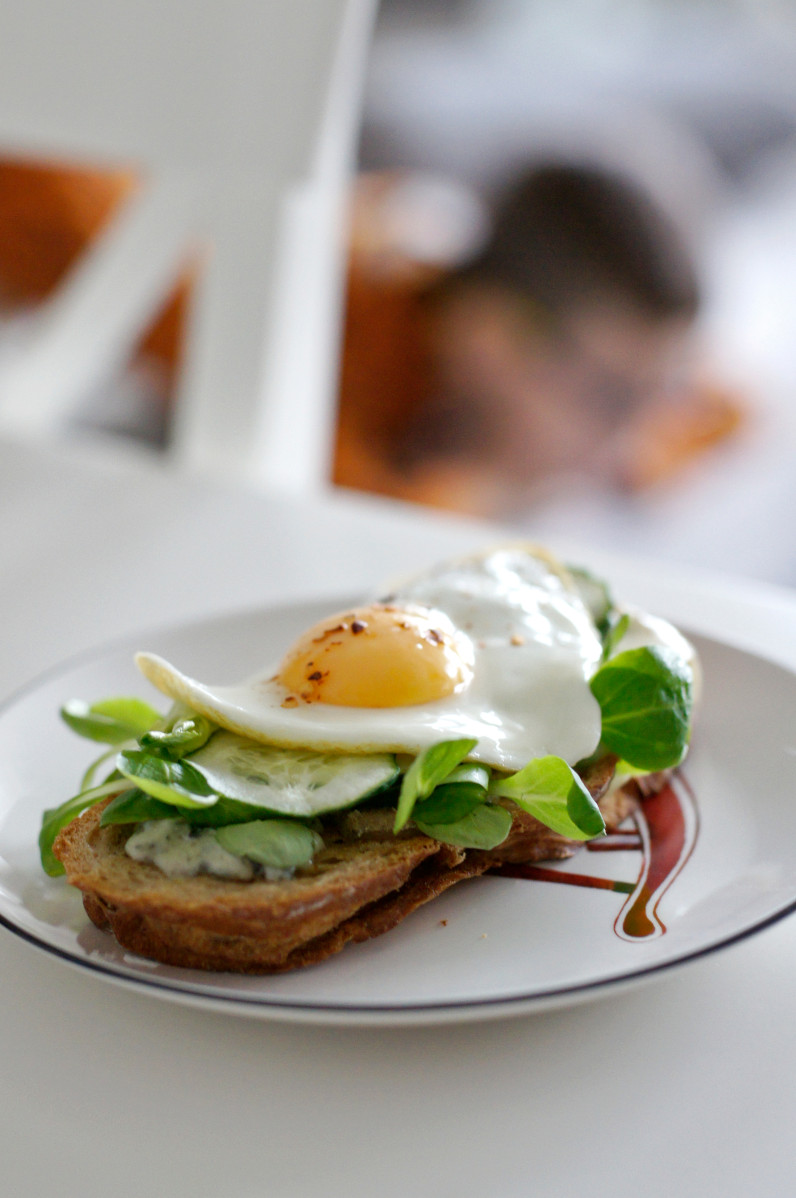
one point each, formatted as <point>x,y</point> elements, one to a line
<point>492,946</point>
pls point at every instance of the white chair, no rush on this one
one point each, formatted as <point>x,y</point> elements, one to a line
<point>241,116</point>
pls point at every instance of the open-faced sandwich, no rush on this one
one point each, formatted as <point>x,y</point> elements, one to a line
<point>495,709</point>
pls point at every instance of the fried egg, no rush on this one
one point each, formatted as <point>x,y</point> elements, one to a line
<point>498,647</point>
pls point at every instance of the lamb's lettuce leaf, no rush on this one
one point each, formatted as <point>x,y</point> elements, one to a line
<point>550,790</point>
<point>449,802</point>
<point>110,721</point>
<point>176,782</point>
<point>645,698</point>
<point>615,628</point>
<point>134,806</point>
<point>279,843</point>
<point>485,827</point>
<point>183,734</point>
<point>426,772</point>
<point>56,818</point>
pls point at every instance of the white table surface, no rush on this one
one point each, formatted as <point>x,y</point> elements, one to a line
<point>682,1087</point>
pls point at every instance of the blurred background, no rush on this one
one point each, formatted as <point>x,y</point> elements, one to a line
<point>569,292</point>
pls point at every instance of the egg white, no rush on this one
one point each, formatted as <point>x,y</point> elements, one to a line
<point>534,649</point>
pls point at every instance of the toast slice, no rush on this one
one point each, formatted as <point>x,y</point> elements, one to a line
<point>363,883</point>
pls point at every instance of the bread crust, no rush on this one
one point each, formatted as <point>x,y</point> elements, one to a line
<point>361,885</point>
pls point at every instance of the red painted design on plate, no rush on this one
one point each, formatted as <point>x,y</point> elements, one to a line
<point>664,831</point>
<point>667,824</point>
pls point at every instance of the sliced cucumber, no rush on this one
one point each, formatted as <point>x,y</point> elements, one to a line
<point>296,782</point>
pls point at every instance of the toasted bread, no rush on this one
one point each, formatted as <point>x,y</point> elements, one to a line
<point>363,883</point>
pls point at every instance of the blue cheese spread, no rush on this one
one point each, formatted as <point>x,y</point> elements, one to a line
<point>180,851</point>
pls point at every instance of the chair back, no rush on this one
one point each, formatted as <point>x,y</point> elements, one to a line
<point>240,117</point>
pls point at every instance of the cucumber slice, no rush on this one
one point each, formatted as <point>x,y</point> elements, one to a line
<point>294,782</point>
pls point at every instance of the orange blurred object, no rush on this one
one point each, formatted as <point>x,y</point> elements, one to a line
<point>675,433</point>
<point>49,214</point>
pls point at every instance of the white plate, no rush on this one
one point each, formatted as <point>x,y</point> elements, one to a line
<point>491,946</point>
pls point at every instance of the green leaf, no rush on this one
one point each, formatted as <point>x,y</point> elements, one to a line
<point>56,818</point>
<point>461,792</point>
<point>279,843</point>
<point>185,735</point>
<point>87,781</point>
<point>225,811</point>
<point>550,790</point>
<point>110,721</point>
<point>175,782</point>
<point>616,629</point>
<point>470,772</point>
<point>645,699</point>
<point>135,806</point>
<point>485,827</point>
<point>449,802</point>
<point>427,771</point>
<point>582,809</point>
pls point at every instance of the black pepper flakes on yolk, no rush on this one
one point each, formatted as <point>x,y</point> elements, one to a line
<point>390,658</point>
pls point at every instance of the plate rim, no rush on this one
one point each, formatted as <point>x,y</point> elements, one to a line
<point>299,1010</point>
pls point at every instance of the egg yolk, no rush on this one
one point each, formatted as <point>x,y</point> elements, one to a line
<point>378,656</point>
